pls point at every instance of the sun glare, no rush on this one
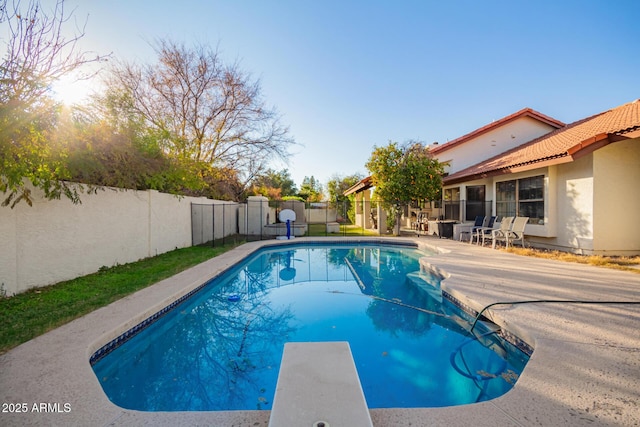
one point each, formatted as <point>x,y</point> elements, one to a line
<point>71,91</point>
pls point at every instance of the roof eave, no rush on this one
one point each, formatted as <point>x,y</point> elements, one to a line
<point>511,169</point>
<point>526,112</point>
<point>589,145</point>
<point>362,185</point>
<point>596,142</point>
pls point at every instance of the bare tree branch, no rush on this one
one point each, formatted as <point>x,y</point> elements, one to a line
<point>209,111</point>
<point>37,53</point>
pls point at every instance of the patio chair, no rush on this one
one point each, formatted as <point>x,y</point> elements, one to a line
<point>483,232</point>
<point>517,231</point>
<point>501,233</point>
<point>479,222</point>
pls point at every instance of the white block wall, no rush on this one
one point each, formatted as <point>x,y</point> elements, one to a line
<point>55,240</point>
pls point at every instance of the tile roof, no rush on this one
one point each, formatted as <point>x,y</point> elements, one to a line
<point>561,145</point>
<point>525,112</point>
<point>363,184</point>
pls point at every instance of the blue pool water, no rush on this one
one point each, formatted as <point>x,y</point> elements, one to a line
<point>221,348</point>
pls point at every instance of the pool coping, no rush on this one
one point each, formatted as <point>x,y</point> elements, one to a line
<point>585,366</point>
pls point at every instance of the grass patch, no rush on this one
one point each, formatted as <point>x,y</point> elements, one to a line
<point>345,230</point>
<point>316,229</point>
<point>32,313</point>
<point>617,263</point>
<point>354,230</point>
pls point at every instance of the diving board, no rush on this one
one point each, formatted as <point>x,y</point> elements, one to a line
<point>318,385</point>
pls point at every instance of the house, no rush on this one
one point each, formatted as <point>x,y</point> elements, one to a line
<point>458,154</point>
<point>482,144</point>
<point>577,183</point>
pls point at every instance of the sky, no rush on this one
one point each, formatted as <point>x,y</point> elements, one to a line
<point>347,76</point>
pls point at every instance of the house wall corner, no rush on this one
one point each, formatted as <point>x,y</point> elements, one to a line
<point>616,170</point>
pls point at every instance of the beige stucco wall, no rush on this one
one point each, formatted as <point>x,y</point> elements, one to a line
<point>617,200</point>
<point>8,255</point>
<point>574,212</point>
<point>591,201</point>
<point>363,209</point>
<point>231,219</point>
<point>321,215</point>
<point>167,225</point>
<point>55,240</point>
<point>568,204</point>
<point>255,214</point>
<point>493,143</point>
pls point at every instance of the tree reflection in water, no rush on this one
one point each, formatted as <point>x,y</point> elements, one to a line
<point>210,354</point>
<point>221,348</point>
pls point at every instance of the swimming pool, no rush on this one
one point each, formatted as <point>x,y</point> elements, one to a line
<point>220,349</point>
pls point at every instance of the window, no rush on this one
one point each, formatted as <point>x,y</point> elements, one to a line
<point>522,197</point>
<point>452,203</point>
<point>452,194</point>
<point>475,202</point>
<point>531,199</point>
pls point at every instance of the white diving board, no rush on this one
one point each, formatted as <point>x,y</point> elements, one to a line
<point>318,385</point>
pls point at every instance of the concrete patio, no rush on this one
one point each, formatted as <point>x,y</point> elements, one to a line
<point>585,368</point>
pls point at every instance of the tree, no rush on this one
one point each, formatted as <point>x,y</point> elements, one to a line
<point>36,56</point>
<point>110,145</point>
<point>311,189</point>
<point>103,155</point>
<point>402,175</point>
<point>219,183</point>
<point>336,187</point>
<point>205,110</point>
<point>274,185</point>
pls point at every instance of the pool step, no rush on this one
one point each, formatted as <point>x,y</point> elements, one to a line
<point>427,283</point>
<point>318,383</point>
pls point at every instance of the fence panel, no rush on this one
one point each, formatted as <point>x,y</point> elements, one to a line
<point>258,218</point>
<point>201,224</point>
<point>211,223</point>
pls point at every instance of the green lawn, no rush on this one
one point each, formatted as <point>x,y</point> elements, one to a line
<point>345,230</point>
<point>32,313</point>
